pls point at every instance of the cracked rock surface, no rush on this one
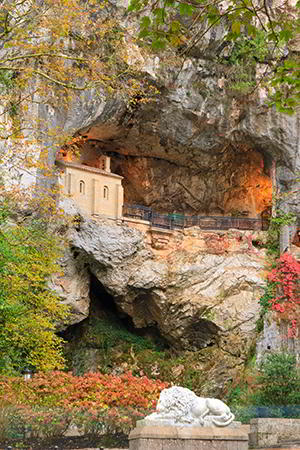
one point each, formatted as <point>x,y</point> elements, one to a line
<point>193,297</point>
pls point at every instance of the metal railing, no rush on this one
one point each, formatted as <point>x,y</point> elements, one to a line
<point>180,221</point>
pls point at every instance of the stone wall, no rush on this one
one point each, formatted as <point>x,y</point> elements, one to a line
<point>95,191</point>
<point>163,242</point>
<point>187,438</point>
<point>271,432</point>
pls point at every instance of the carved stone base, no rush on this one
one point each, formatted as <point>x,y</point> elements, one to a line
<point>187,438</point>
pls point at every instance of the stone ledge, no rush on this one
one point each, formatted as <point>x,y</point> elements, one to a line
<point>188,432</point>
<point>269,432</point>
<point>134,220</point>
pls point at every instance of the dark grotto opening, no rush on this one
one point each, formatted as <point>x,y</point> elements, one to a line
<point>104,305</point>
<point>202,333</point>
<point>106,335</point>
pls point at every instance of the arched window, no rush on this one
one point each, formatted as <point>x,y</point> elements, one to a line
<point>105,192</point>
<point>81,187</point>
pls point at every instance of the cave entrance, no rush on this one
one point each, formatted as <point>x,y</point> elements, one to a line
<point>104,307</point>
<point>102,303</point>
<point>107,325</point>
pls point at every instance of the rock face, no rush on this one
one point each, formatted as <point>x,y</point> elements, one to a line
<point>274,338</point>
<point>195,295</point>
<point>73,286</point>
<point>201,146</point>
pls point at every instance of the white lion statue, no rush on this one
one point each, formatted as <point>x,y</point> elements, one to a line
<point>180,406</point>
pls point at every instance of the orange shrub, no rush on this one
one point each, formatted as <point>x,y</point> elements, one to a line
<point>114,402</point>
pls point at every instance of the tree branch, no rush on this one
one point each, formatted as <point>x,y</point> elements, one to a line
<point>37,55</point>
<point>49,78</point>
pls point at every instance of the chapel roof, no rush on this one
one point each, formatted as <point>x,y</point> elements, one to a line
<point>85,168</point>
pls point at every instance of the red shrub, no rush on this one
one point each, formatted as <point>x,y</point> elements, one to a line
<point>117,400</point>
<point>287,277</point>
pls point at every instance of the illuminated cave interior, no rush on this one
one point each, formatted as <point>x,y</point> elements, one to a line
<point>236,182</point>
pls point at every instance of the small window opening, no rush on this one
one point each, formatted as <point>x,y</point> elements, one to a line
<point>82,187</point>
<point>105,192</point>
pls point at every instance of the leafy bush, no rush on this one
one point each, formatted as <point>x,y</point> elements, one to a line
<point>279,382</point>
<point>276,223</point>
<point>28,309</point>
<point>45,423</point>
<point>96,403</point>
<point>245,413</point>
<point>12,424</point>
<point>281,293</point>
<point>109,421</point>
<point>286,276</point>
<point>272,392</point>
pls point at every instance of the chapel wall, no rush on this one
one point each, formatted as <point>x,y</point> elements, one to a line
<point>95,193</point>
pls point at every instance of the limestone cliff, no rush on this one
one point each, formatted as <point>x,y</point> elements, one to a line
<point>201,290</point>
<point>201,146</point>
<point>198,147</point>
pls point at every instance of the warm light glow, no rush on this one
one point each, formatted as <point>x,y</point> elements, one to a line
<point>251,188</point>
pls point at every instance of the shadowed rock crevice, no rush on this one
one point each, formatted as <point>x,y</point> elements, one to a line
<point>202,333</point>
<point>104,305</point>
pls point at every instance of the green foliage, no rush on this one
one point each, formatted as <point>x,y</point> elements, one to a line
<point>238,400</point>
<point>265,304</point>
<point>28,309</point>
<point>244,413</point>
<point>257,35</point>
<point>282,218</point>
<point>279,382</point>
<point>272,392</point>
<point>288,77</point>
<point>6,80</point>
<point>110,337</point>
<point>4,212</point>
<point>249,49</point>
<point>276,223</point>
<point>107,333</point>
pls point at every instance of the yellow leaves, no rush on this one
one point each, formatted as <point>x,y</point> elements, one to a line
<point>28,257</point>
<point>236,27</point>
<point>65,41</point>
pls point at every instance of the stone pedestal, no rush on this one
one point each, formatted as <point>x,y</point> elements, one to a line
<point>274,432</point>
<point>151,437</point>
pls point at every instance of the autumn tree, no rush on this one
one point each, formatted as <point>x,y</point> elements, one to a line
<point>66,44</point>
<point>29,311</point>
<point>52,51</point>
